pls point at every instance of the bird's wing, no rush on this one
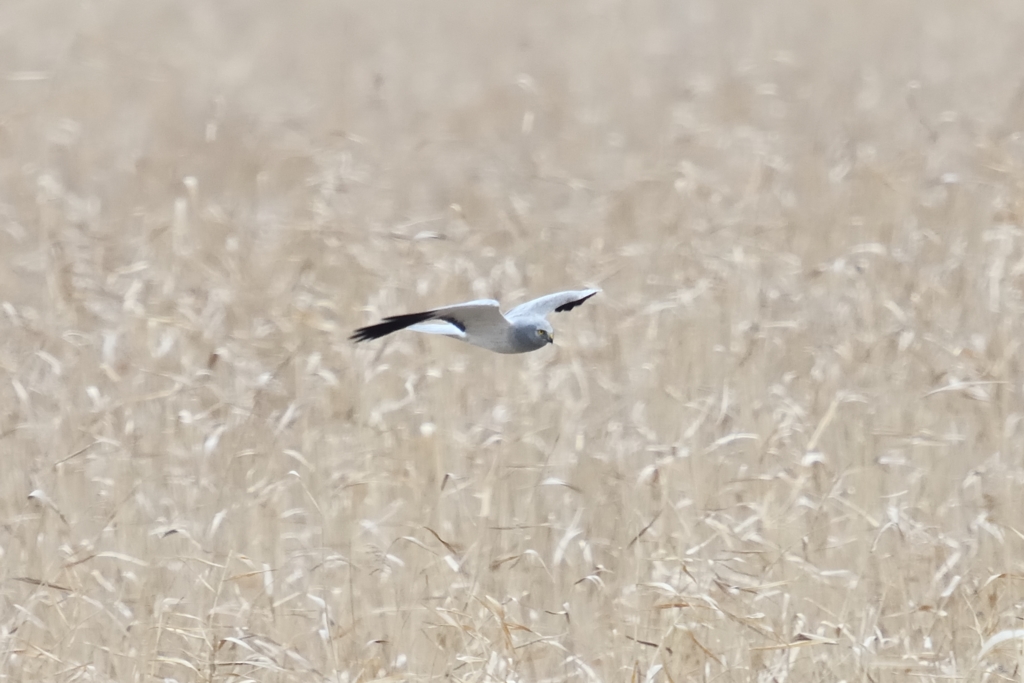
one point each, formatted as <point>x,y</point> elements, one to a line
<point>558,302</point>
<point>440,327</point>
<point>460,320</point>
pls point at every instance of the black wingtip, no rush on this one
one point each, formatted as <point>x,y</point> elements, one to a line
<point>573,304</point>
<point>388,325</point>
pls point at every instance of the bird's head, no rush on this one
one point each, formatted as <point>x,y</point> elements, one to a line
<point>544,333</point>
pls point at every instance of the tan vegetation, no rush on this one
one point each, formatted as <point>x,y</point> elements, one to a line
<point>785,443</point>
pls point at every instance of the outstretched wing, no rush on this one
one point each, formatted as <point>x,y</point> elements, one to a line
<point>473,318</point>
<point>558,302</point>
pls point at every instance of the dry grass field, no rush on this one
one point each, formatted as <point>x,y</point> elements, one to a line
<point>786,443</point>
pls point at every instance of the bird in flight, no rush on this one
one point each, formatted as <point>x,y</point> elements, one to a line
<point>481,323</point>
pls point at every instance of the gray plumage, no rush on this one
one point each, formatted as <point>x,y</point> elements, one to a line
<point>481,323</point>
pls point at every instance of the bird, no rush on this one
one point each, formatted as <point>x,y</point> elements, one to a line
<point>481,323</point>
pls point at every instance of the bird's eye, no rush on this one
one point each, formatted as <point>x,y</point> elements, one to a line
<point>541,333</point>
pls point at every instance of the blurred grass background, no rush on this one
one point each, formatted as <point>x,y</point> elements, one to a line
<point>785,442</point>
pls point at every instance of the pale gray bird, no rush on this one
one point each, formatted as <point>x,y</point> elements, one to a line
<point>481,323</point>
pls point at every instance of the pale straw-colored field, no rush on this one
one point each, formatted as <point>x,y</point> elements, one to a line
<point>786,443</point>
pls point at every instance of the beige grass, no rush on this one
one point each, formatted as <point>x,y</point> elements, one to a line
<point>786,443</point>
